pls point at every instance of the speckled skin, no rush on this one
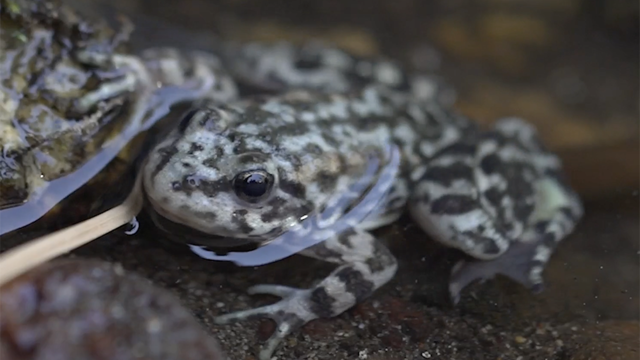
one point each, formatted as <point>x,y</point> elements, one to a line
<point>495,194</point>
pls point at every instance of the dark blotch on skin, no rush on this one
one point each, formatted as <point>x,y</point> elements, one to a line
<point>292,159</point>
<point>494,196</point>
<point>307,64</point>
<point>344,238</point>
<point>195,147</point>
<point>270,216</point>
<point>186,119</point>
<point>446,175</point>
<point>251,158</point>
<point>549,240</point>
<point>488,245</point>
<point>491,164</point>
<point>322,252</point>
<point>523,211</point>
<point>541,226</point>
<point>327,181</point>
<point>193,182</point>
<point>343,165</point>
<point>453,204</point>
<point>355,283</point>
<point>460,148</point>
<point>421,200</point>
<point>277,210</point>
<point>166,153</point>
<point>381,259</point>
<point>212,188</point>
<point>176,185</point>
<point>313,149</point>
<point>210,163</point>
<point>321,303</point>
<point>568,213</point>
<point>239,220</point>
<point>499,138</point>
<point>206,215</point>
<point>290,187</point>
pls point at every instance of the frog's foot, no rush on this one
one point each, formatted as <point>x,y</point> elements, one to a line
<point>520,263</point>
<point>296,308</point>
<point>366,265</point>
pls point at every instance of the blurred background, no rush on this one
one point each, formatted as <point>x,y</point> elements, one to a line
<point>570,67</point>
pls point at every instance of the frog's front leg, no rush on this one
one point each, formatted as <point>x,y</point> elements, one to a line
<point>365,264</point>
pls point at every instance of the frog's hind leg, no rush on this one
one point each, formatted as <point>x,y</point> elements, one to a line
<point>548,209</point>
<point>525,259</point>
<point>447,206</point>
<point>365,264</point>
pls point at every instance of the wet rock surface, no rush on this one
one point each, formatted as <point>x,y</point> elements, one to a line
<point>87,309</point>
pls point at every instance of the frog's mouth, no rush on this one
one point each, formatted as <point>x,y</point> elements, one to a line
<point>189,236</point>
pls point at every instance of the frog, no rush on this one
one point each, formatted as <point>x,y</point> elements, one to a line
<point>70,87</point>
<point>260,167</point>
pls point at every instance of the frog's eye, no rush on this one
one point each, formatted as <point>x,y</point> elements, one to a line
<point>253,185</point>
<point>186,119</point>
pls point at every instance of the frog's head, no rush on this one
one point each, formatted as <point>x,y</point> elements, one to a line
<point>225,182</point>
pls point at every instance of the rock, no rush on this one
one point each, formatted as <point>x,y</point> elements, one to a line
<point>87,309</point>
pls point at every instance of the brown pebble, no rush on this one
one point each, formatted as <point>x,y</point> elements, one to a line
<point>86,309</point>
<point>520,340</point>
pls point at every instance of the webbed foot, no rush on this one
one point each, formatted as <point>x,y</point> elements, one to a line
<point>517,263</point>
<point>290,313</point>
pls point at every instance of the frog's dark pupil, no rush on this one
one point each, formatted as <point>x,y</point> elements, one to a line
<point>252,185</point>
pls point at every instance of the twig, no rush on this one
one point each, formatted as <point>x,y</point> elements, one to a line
<point>25,257</point>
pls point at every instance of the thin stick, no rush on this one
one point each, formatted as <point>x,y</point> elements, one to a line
<point>25,257</point>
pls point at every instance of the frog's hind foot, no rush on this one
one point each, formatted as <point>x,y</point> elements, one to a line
<point>294,310</point>
<point>517,263</point>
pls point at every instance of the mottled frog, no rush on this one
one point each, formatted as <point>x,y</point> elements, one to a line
<point>246,171</point>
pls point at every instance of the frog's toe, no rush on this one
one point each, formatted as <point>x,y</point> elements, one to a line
<point>517,263</point>
<point>275,290</point>
<point>290,313</point>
